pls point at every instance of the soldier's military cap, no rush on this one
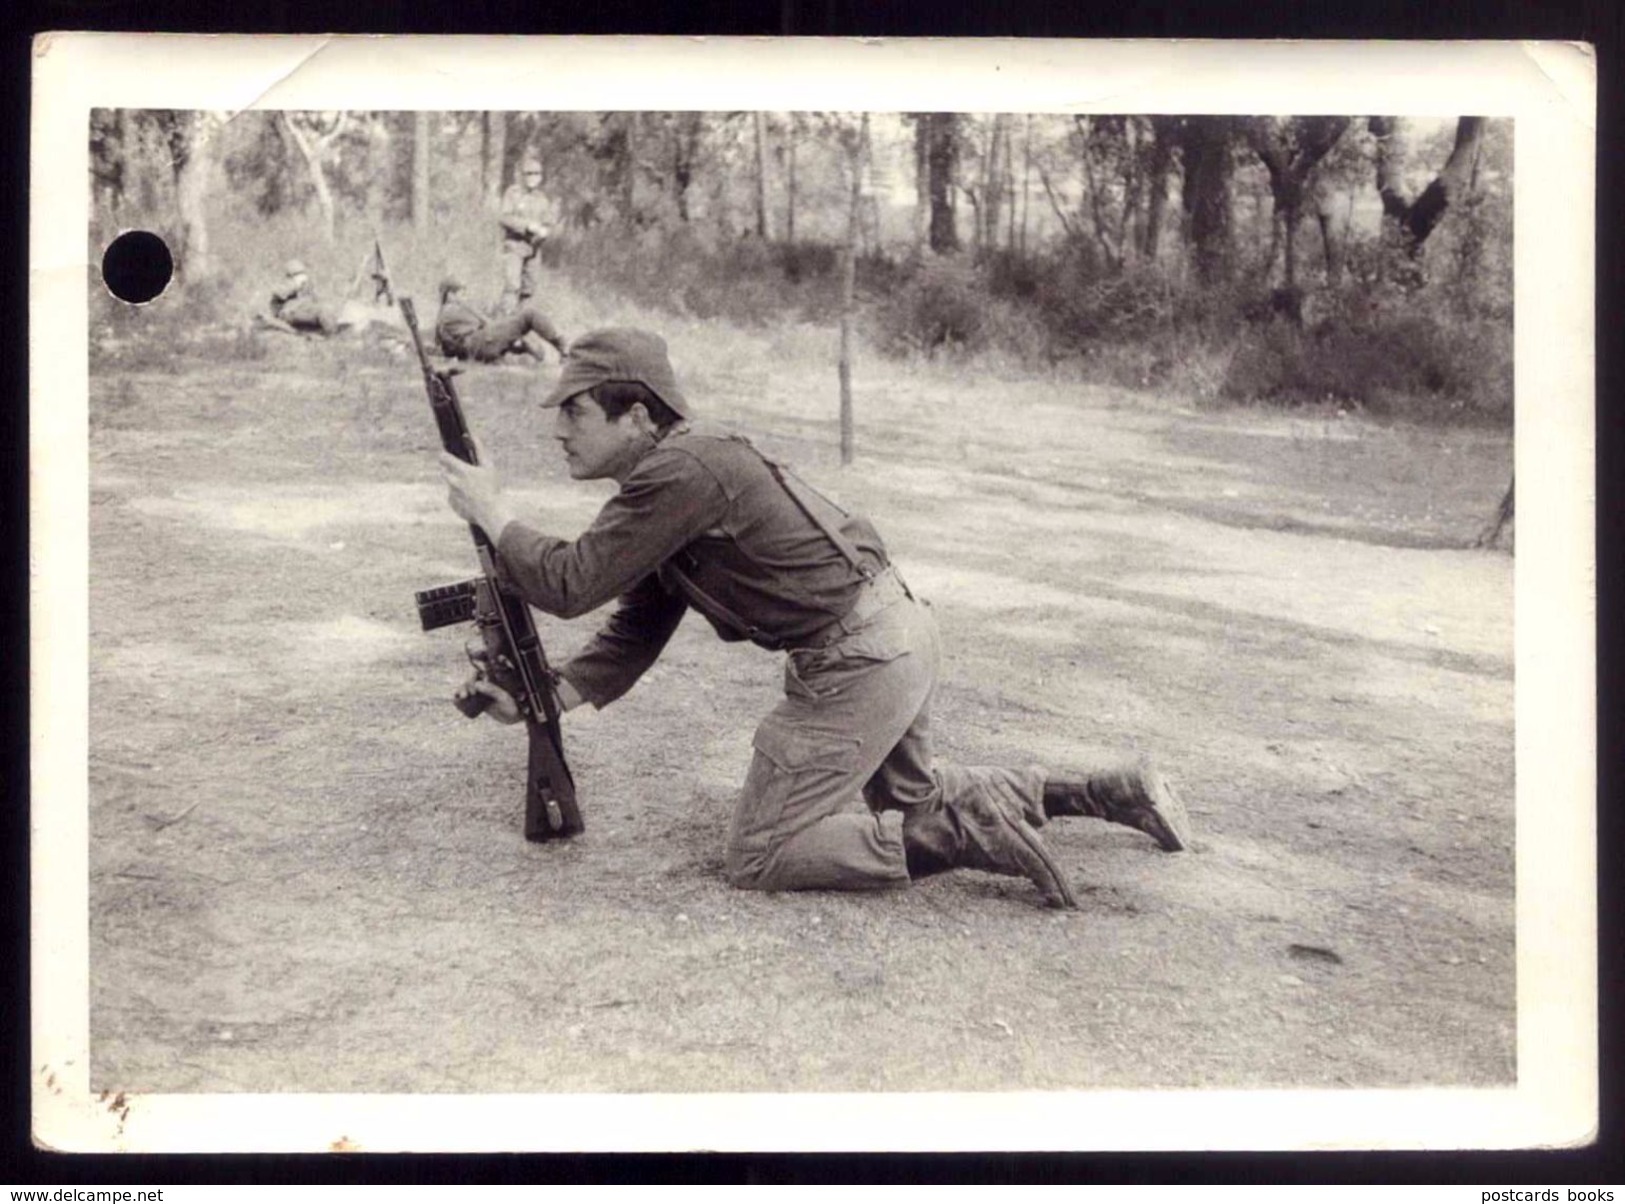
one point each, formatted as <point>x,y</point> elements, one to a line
<point>618,354</point>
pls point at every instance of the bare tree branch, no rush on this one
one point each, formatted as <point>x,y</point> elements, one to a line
<point>1049,191</point>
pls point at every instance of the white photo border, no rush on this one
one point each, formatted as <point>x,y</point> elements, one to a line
<point>1549,89</point>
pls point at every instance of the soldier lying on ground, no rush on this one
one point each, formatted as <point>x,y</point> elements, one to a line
<point>295,307</point>
<point>465,333</point>
<point>704,520</point>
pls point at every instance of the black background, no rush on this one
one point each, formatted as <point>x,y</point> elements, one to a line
<point>1595,21</point>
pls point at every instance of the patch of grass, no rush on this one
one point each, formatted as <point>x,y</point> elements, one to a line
<point>117,403</point>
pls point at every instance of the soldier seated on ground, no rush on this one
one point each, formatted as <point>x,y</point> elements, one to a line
<point>467,334</point>
<point>844,791</point>
<point>295,307</point>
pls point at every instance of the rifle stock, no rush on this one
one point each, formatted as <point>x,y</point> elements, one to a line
<point>514,658</point>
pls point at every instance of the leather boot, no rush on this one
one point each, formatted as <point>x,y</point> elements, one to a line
<point>979,832</point>
<point>1140,798</point>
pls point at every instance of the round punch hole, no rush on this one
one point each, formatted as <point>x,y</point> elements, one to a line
<point>137,266</point>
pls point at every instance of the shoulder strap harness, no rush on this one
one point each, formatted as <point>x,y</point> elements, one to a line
<point>801,494</point>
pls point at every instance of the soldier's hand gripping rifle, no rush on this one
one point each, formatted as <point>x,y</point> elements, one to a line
<point>512,657</point>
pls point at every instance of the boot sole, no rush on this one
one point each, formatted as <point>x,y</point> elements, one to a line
<point>1165,819</point>
<point>1057,887</point>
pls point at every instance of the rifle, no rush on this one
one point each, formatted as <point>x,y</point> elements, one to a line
<point>381,285</point>
<point>513,657</point>
<point>374,265</point>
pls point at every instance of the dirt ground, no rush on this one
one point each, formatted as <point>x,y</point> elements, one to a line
<point>307,872</point>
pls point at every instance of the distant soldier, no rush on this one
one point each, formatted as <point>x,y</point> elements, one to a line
<point>467,334</point>
<point>294,303</point>
<point>528,219</point>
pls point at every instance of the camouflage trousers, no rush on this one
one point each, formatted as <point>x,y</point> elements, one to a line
<point>847,752</point>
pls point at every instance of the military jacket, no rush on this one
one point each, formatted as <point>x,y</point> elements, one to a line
<point>456,323</point>
<point>521,206</point>
<point>285,293</point>
<point>702,521</point>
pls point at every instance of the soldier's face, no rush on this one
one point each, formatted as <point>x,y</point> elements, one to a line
<point>532,178</point>
<point>594,446</point>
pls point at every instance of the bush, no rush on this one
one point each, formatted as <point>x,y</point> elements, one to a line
<point>741,280</point>
<point>942,306</point>
<point>1407,360</point>
<point>1111,307</point>
<point>801,261</point>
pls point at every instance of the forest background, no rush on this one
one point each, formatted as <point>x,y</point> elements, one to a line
<point>1360,263</point>
<point>1182,422</point>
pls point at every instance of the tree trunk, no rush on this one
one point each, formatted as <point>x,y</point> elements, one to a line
<point>848,288</point>
<point>1111,249</point>
<point>629,168</point>
<point>1291,149</point>
<point>420,172</point>
<point>485,156</point>
<point>1130,225</point>
<point>686,129</point>
<point>1164,133</point>
<point>1009,192</point>
<point>1451,184</point>
<point>1415,220</point>
<point>682,176</point>
<point>121,139</point>
<point>941,155</point>
<point>790,180</point>
<point>311,150</point>
<point>109,158</point>
<point>1331,245</point>
<point>1002,186</point>
<point>189,158</point>
<point>1289,223</point>
<point>922,178</point>
<point>1071,231</point>
<point>1491,534</point>
<point>869,195</point>
<point>761,178</point>
<point>493,156</point>
<point>1026,182</point>
<point>987,230</point>
<point>1266,265</point>
<point>1207,196</point>
<point>519,135</point>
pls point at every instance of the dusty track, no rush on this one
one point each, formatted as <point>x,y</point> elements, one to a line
<point>306,867</point>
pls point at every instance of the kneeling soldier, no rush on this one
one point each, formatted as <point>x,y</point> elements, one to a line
<point>703,519</point>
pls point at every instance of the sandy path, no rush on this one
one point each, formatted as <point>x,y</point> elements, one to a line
<point>307,872</point>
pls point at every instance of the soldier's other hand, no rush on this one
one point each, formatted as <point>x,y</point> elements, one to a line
<point>475,492</point>
<point>500,704</point>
